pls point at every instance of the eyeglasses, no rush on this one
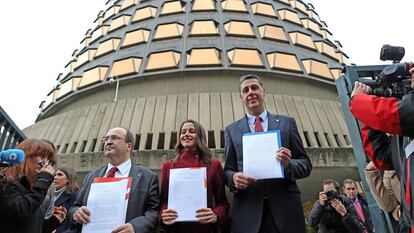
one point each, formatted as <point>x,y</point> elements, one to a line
<point>113,138</point>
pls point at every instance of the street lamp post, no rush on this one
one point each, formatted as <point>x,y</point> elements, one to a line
<point>112,80</point>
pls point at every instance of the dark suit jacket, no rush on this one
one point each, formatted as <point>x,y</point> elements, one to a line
<point>144,200</point>
<point>284,194</point>
<point>65,200</point>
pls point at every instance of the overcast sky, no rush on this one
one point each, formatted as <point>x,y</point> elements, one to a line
<point>38,38</point>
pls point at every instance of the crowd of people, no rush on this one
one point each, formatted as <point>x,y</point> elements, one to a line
<point>30,203</point>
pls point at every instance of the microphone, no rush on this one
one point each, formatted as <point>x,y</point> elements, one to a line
<point>11,157</point>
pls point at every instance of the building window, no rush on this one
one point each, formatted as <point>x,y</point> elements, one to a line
<point>336,72</point>
<point>86,41</point>
<point>127,4</point>
<point>163,60</point>
<point>317,68</point>
<point>299,6</point>
<point>203,5</point>
<point>144,14</point>
<point>94,75</point>
<point>343,58</point>
<point>204,57</point>
<point>239,28</point>
<point>107,46</point>
<point>126,66</point>
<point>326,49</point>
<point>234,5</point>
<point>50,99</point>
<point>290,16</point>
<point>85,57</point>
<point>136,37</point>
<point>99,32</point>
<point>272,32</point>
<point>168,31</point>
<point>326,34</point>
<point>119,22</point>
<point>244,57</point>
<point>283,61</point>
<point>303,40</point>
<point>113,10</point>
<point>265,9</point>
<point>173,7</point>
<point>311,25</point>
<point>100,17</point>
<point>203,28</point>
<point>69,68</point>
<point>312,14</point>
<point>69,86</point>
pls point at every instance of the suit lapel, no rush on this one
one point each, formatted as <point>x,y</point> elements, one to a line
<point>243,125</point>
<point>136,174</point>
<point>273,121</point>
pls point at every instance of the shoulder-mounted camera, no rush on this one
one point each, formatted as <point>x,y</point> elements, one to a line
<point>394,80</point>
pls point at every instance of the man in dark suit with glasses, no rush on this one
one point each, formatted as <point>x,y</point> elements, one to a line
<point>143,204</point>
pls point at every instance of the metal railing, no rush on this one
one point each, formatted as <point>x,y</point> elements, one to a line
<point>10,134</point>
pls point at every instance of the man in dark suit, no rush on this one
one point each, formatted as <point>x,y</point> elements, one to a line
<point>143,204</point>
<point>271,205</point>
<point>360,204</point>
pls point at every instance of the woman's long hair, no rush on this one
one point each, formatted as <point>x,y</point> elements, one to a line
<point>72,185</point>
<point>201,143</point>
<point>33,147</point>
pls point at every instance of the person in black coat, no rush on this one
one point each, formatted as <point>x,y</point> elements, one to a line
<point>21,200</point>
<point>333,212</point>
<point>66,186</point>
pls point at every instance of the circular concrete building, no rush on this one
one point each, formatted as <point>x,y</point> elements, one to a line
<point>149,65</point>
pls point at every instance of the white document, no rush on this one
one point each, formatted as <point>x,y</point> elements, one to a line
<point>259,155</point>
<point>187,192</point>
<point>409,149</point>
<point>108,202</point>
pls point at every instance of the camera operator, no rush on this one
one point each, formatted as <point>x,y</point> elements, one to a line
<point>334,212</point>
<point>382,115</point>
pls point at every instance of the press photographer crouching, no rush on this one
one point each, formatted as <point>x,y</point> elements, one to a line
<point>334,212</point>
<point>393,114</point>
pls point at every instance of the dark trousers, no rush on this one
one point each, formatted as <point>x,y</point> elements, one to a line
<point>268,224</point>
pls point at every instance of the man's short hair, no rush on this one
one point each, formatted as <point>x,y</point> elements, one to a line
<point>129,137</point>
<point>250,76</point>
<point>332,181</point>
<point>349,181</point>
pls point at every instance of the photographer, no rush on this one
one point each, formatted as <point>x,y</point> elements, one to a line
<point>334,212</point>
<point>382,115</point>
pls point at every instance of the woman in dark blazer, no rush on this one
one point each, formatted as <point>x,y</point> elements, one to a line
<point>192,151</point>
<point>66,186</point>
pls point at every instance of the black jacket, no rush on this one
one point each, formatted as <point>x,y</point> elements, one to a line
<point>365,209</point>
<point>327,220</point>
<point>20,206</point>
<point>65,200</point>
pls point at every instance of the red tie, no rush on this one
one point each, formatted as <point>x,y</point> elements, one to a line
<point>111,173</point>
<point>359,210</point>
<point>257,124</point>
